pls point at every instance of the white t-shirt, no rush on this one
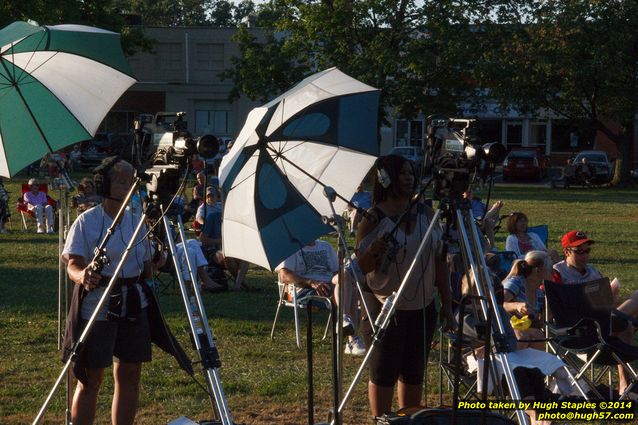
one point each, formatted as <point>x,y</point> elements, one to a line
<point>195,254</point>
<point>85,235</point>
<point>316,262</point>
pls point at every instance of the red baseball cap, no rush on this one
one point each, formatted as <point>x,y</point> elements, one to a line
<point>574,238</point>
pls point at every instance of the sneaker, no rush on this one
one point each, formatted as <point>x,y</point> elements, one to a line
<point>51,231</point>
<point>356,347</point>
<point>347,325</point>
<point>40,231</point>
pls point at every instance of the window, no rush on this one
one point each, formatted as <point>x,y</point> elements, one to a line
<point>169,57</point>
<point>209,56</point>
<point>218,123</point>
<point>408,133</point>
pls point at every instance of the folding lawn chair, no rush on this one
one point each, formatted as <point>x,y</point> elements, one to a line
<point>288,298</point>
<point>542,230</point>
<point>21,206</point>
<point>583,322</point>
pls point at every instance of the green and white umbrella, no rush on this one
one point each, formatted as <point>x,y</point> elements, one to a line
<point>56,85</point>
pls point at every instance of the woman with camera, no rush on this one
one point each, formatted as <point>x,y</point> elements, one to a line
<point>402,353</point>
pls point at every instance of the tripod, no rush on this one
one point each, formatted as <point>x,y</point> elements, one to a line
<point>202,335</point>
<point>473,255</point>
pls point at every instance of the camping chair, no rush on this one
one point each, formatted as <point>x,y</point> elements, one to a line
<point>583,322</point>
<point>542,230</point>
<point>450,362</point>
<point>22,208</point>
<point>288,298</point>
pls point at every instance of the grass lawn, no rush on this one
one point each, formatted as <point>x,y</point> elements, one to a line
<point>264,380</point>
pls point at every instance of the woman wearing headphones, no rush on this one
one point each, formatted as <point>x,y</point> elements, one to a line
<point>122,327</point>
<point>402,353</point>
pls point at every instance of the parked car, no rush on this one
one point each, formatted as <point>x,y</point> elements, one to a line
<point>602,168</point>
<point>413,153</point>
<point>102,146</point>
<point>526,163</point>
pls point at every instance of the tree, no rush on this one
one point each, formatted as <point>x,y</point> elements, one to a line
<point>107,14</point>
<point>385,43</point>
<point>575,58</point>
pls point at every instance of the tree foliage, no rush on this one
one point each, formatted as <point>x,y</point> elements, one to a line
<point>383,43</point>
<point>575,58</point>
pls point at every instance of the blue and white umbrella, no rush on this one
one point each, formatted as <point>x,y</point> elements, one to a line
<point>322,132</point>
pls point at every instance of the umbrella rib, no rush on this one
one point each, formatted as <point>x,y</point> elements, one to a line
<point>316,180</point>
<point>243,180</point>
<point>24,71</point>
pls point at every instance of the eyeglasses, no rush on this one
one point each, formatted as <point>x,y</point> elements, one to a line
<point>580,251</point>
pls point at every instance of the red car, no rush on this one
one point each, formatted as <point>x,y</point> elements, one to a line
<point>525,163</point>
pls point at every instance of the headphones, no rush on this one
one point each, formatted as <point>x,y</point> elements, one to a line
<point>101,179</point>
<point>382,175</point>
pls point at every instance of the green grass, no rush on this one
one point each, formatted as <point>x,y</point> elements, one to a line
<point>264,380</point>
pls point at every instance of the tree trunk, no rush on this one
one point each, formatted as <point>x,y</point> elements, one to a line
<point>622,169</point>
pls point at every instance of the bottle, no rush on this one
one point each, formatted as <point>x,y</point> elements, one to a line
<point>197,322</point>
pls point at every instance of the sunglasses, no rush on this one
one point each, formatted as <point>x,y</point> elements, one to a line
<point>580,251</point>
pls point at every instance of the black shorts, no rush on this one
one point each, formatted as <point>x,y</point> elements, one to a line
<point>401,352</point>
<point>124,341</point>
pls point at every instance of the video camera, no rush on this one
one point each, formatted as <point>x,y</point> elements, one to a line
<point>456,154</point>
<point>164,143</point>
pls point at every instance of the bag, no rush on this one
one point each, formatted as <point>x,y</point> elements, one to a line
<point>218,276</point>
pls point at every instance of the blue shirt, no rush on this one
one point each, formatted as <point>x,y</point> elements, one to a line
<point>516,285</point>
<point>213,223</point>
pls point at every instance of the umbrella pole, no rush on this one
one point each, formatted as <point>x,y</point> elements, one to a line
<point>64,294</point>
<point>336,220</point>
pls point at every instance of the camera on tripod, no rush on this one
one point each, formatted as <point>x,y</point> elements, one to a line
<point>164,142</point>
<point>456,153</point>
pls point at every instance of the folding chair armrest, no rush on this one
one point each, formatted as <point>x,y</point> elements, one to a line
<point>624,316</point>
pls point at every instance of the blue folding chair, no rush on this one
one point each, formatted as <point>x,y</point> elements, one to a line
<point>542,230</point>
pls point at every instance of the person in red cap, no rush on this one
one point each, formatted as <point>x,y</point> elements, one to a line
<point>575,268</point>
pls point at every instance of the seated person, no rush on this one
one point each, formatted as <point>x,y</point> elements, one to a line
<point>211,239</point>
<point>313,270</point>
<point>197,196</point>
<point>361,199</point>
<point>199,263</point>
<point>86,197</point>
<point>584,171</point>
<point>487,219</point>
<point>520,241</point>
<point>75,158</point>
<point>4,207</point>
<point>197,164</point>
<point>575,269</point>
<point>212,204</point>
<point>37,202</point>
<point>526,277</point>
<point>529,365</point>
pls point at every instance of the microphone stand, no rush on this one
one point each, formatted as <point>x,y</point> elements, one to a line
<point>99,261</point>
